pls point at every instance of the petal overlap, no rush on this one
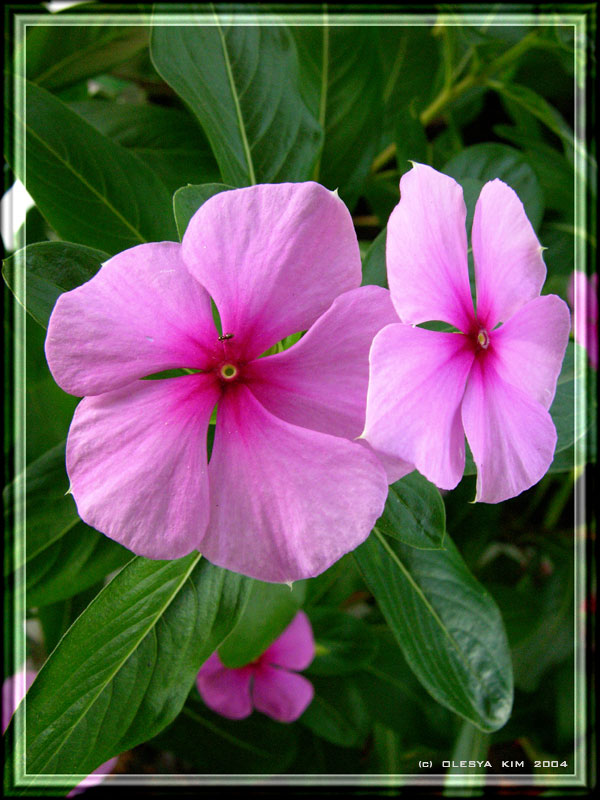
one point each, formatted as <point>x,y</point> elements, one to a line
<point>295,647</point>
<point>226,691</point>
<point>282,695</point>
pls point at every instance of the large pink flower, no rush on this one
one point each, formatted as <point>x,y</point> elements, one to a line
<point>267,684</point>
<point>495,384</point>
<point>583,296</point>
<point>287,490</point>
<point>14,690</point>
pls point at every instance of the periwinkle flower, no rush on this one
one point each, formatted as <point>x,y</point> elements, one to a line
<point>428,389</point>
<point>287,491</point>
<point>269,684</point>
<point>583,296</point>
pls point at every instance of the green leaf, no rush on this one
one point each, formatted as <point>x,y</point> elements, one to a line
<point>472,745</point>
<point>411,142</point>
<point>414,513</point>
<point>50,510</point>
<point>241,83</point>
<point>341,82</point>
<point>269,610</point>
<point>446,624</point>
<point>123,670</point>
<point>61,55</point>
<point>344,644</point>
<point>374,268</point>
<point>485,162</point>
<point>216,745</point>
<point>90,189</point>
<point>168,140</point>
<point>338,712</point>
<point>76,561</point>
<point>188,199</point>
<point>49,268</point>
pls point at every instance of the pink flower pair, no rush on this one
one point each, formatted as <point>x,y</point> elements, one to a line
<point>270,684</point>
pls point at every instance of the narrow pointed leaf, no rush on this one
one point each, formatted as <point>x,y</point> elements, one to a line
<point>448,626</point>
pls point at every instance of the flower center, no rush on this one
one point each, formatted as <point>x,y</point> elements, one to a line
<point>483,339</point>
<point>228,372</point>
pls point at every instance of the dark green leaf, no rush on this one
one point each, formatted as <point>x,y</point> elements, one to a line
<point>485,162</point>
<point>447,625</point>
<point>241,83</point>
<point>61,55</point>
<point>78,560</point>
<point>472,745</point>
<point>414,513</point>
<point>341,81</point>
<point>269,610</point>
<point>411,142</point>
<point>374,268</point>
<point>338,712</point>
<point>188,199</point>
<point>214,745</point>
<point>123,670</point>
<point>90,189</point>
<point>344,644</point>
<point>49,269</point>
<point>168,140</point>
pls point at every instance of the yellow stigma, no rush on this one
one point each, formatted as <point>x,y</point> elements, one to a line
<point>228,371</point>
<point>483,339</point>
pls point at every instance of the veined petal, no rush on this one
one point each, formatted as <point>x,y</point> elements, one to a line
<point>509,268</point>
<point>226,691</point>
<point>280,694</point>
<point>142,313</point>
<point>321,382</point>
<point>528,349</point>
<point>286,502</point>
<point>426,250</point>
<point>512,437</point>
<point>273,257</point>
<point>136,459</point>
<point>295,647</point>
<point>416,386</point>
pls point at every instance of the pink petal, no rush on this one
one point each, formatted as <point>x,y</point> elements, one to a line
<point>286,502</point>
<point>142,313</point>
<point>96,777</point>
<point>417,383</point>
<point>273,257</point>
<point>528,349</point>
<point>136,458</point>
<point>511,436</point>
<point>426,250</point>
<point>226,691</point>
<point>282,695</point>
<point>14,690</point>
<point>583,297</point>
<point>321,382</point>
<point>509,268</point>
<point>295,647</point>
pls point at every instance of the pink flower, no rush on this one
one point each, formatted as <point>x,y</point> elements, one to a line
<point>14,690</point>
<point>583,297</point>
<point>266,684</point>
<point>287,491</point>
<point>495,384</point>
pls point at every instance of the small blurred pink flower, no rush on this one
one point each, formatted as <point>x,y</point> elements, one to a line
<point>14,690</point>
<point>429,389</point>
<point>583,297</point>
<point>266,684</point>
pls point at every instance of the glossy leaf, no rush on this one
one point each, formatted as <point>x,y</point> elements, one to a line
<point>216,745</point>
<point>344,644</point>
<point>89,188</point>
<point>49,269</point>
<point>123,670</point>
<point>168,140</point>
<point>338,712</point>
<point>447,625</point>
<point>341,81</point>
<point>414,513</point>
<point>270,609</point>
<point>230,76</point>
<point>188,199</point>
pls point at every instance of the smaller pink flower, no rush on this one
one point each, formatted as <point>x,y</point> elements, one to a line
<point>14,690</point>
<point>267,684</point>
<point>583,297</point>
